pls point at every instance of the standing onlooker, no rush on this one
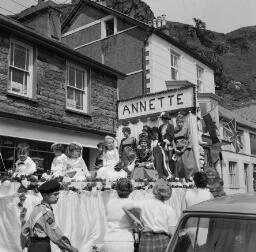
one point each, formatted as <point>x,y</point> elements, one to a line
<point>119,235</point>
<point>158,218</point>
<point>24,165</point>
<point>201,192</point>
<point>59,163</point>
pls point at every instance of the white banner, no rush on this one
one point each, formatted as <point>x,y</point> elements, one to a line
<point>173,99</point>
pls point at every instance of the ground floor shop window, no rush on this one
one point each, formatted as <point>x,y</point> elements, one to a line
<point>40,152</point>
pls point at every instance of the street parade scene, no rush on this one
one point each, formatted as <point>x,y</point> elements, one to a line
<point>123,131</point>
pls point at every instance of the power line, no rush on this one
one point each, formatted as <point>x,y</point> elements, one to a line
<point>19,4</point>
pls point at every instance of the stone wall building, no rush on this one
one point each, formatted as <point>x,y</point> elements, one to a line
<point>51,93</point>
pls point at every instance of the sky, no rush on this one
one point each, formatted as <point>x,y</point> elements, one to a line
<point>219,15</point>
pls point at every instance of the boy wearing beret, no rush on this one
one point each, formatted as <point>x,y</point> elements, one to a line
<point>41,228</point>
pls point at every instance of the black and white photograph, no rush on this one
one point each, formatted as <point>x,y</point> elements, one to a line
<point>127,126</point>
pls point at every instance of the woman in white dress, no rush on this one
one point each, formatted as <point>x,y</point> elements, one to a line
<point>119,235</point>
<point>110,160</point>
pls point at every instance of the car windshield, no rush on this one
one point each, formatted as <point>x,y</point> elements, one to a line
<point>208,234</point>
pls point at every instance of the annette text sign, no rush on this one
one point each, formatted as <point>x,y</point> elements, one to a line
<point>156,103</point>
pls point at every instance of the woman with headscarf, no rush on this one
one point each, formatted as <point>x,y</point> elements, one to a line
<point>119,235</point>
<point>159,219</point>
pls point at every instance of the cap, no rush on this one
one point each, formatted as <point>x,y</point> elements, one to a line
<point>107,138</point>
<point>49,187</point>
<point>57,146</point>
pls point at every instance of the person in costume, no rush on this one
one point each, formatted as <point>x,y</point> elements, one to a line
<point>145,135</point>
<point>24,165</point>
<point>128,143</point>
<point>158,155</point>
<point>76,167</point>
<point>59,163</point>
<point>144,167</point>
<point>128,163</point>
<point>99,159</point>
<point>165,138</point>
<point>110,160</point>
<point>185,164</point>
<point>159,219</point>
<point>41,227</point>
<point>119,233</point>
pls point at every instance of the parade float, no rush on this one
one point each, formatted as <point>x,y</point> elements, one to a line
<point>84,201</point>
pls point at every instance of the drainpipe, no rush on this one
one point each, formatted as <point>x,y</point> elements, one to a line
<point>148,34</point>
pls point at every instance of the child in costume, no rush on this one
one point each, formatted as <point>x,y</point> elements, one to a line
<point>59,163</point>
<point>110,160</point>
<point>24,165</point>
<point>76,167</point>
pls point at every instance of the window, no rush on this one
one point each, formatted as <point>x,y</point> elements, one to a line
<point>77,91</point>
<point>109,27</point>
<point>254,177</point>
<point>253,143</point>
<point>232,167</point>
<point>174,66</point>
<point>201,234</point>
<point>20,69</point>
<point>199,77</point>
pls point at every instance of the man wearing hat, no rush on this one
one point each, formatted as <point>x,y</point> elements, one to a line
<point>41,228</point>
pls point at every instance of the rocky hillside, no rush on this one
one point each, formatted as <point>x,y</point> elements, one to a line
<point>233,54</point>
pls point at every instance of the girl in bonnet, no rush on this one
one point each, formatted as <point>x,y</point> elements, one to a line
<point>76,167</point>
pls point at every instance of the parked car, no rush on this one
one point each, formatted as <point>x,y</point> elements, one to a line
<point>225,224</point>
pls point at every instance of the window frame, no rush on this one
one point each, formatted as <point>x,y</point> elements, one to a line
<point>233,175</point>
<point>176,68</point>
<point>103,26</point>
<point>86,83</point>
<point>199,79</point>
<point>30,70</point>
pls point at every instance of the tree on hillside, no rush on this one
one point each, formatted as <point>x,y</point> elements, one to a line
<point>199,24</point>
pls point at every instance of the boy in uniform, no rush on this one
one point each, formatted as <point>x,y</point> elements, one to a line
<point>41,228</point>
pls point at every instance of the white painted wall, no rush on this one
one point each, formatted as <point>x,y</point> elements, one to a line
<point>160,66</point>
<point>241,158</point>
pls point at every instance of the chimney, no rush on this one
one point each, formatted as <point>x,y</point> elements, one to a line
<point>163,20</point>
<point>43,18</point>
<point>159,22</point>
<point>154,23</point>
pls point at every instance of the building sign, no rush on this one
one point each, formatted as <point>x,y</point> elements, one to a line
<point>173,99</point>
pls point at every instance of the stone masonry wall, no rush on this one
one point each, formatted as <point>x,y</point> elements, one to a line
<point>49,98</point>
